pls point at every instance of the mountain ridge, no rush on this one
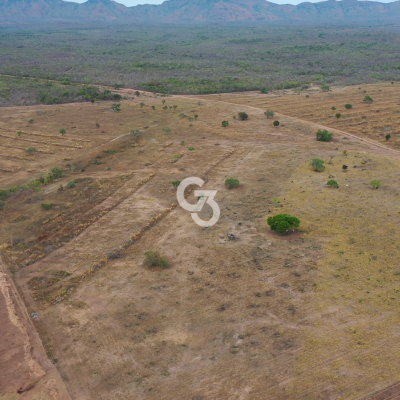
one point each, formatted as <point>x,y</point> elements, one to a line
<point>187,11</point>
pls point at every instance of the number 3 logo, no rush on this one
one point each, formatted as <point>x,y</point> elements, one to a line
<point>205,196</point>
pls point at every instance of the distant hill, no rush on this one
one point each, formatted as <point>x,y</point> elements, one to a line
<point>17,11</point>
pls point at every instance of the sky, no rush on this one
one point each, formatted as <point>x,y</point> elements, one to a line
<point>130,3</point>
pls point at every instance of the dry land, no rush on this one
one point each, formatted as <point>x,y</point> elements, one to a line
<point>309,315</point>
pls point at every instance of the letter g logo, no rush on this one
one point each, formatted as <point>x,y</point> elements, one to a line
<point>205,196</point>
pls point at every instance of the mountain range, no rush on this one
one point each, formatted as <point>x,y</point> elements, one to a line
<point>186,11</point>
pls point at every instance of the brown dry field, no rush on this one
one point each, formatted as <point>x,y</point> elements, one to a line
<point>310,315</point>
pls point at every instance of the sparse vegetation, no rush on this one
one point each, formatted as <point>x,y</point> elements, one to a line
<point>31,150</point>
<point>116,107</point>
<point>154,260</point>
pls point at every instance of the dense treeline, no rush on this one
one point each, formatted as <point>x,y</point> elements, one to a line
<point>194,59</point>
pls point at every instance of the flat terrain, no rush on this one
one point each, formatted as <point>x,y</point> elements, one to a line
<point>310,315</point>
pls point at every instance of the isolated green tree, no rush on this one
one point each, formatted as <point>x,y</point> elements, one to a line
<point>269,114</point>
<point>231,183</point>
<point>332,183</point>
<point>324,135</point>
<point>283,222</point>
<point>317,164</point>
<point>368,100</point>
<point>333,108</point>
<point>225,124</point>
<point>63,131</point>
<point>338,115</point>
<point>276,123</point>
<point>387,137</point>
<point>375,183</point>
<point>348,106</point>
<point>243,116</point>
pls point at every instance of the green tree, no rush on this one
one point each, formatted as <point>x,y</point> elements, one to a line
<point>332,183</point>
<point>338,115</point>
<point>231,183</point>
<point>317,164</point>
<point>63,131</point>
<point>175,184</point>
<point>368,100</point>
<point>324,135</point>
<point>116,107</point>
<point>276,123</point>
<point>348,106</point>
<point>375,183</point>
<point>142,105</point>
<point>283,222</point>
<point>387,137</point>
<point>269,114</point>
<point>333,108</point>
<point>225,124</point>
<point>243,116</point>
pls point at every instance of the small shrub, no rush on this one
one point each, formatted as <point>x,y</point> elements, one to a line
<point>63,131</point>
<point>243,116</point>
<point>324,135</point>
<point>3,194</point>
<point>166,129</point>
<point>283,222</point>
<point>231,183</point>
<point>332,183</point>
<point>142,105</point>
<point>276,123</point>
<point>269,114</point>
<point>368,100</point>
<point>153,260</point>
<point>31,121</point>
<point>375,183</point>
<point>333,108</point>
<point>175,184</point>
<point>191,148</point>
<point>46,206</point>
<point>317,164</point>
<point>19,133</point>
<point>116,107</point>
<point>348,106</point>
<point>56,173</point>
<point>225,123</point>
<point>31,150</point>
<point>387,137</point>
<point>71,184</point>
<point>338,115</point>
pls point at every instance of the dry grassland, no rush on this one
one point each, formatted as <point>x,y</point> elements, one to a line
<point>310,315</point>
